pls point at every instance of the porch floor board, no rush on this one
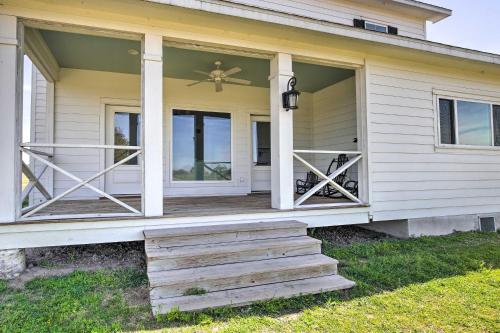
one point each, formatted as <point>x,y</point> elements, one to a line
<point>178,206</point>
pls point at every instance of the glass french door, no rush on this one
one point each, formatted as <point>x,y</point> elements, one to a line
<point>123,128</point>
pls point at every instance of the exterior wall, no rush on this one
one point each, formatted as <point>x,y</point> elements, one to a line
<point>241,102</point>
<point>411,176</point>
<point>432,226</point>
<point>303,122</point>
<point>342,12</point>
<point>41,129</point>
<point>334,124</point>
<point>327,118</point>
<point>79,103</point>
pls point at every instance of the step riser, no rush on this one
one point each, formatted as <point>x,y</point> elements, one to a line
<point>178,288</point>
<point>159,264</point>
<point>252,294</point>
<point>224,237</point>
<point>221,228</point>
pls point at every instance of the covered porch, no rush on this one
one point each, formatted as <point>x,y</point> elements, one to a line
<point>139,126</point>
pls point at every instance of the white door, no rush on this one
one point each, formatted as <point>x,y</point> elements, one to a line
<point>261,153</point>
<point>123,128</point>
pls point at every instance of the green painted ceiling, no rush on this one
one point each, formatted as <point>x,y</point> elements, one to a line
<point>110,54</point>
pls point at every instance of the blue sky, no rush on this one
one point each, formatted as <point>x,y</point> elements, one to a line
<point>474,24</point>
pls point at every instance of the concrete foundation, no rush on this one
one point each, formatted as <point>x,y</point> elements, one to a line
<point>431,226</point>
<point>12,263</point>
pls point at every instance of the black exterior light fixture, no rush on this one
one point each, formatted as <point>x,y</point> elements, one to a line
<point>291,96</point>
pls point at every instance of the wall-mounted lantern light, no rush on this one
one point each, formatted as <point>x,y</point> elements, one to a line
<point>291,96</point>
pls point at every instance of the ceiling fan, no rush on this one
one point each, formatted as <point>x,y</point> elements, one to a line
<point>218,76</point>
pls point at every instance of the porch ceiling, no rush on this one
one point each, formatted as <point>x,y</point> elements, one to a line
<point>111,54</point>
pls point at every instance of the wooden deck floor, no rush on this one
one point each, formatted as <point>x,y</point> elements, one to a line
<point>177,207</point>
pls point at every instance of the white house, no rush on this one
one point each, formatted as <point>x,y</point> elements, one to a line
<point>165,120</point>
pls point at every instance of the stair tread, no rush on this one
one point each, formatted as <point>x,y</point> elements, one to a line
<point>154,253</point>
<point>226,271</point>
<point>247,295</point>
<point>221,228</point>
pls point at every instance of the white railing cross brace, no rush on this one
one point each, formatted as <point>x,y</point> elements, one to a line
<point>327,179</point>
<point>81,182</point>
<point>34,182</point>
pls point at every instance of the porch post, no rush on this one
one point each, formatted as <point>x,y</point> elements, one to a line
<point>10,104</point>
<point>152,110</point>
<point>281,134</point>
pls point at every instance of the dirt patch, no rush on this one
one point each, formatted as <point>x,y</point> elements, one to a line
<point>137,296</point>
<point>62,260</point>
<point>347,235</point>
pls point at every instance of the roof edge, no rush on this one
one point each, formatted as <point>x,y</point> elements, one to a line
<point>437,13</point>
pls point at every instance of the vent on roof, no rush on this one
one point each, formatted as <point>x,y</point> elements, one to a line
<point>487,224</point>
<point>359,23</point>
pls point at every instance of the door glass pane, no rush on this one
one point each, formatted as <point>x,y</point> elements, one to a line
<point>217,148</point>
<point>127,133</point>
<point>201,146</point>
<point>183,147</point>
<point>474,123</point>
<point>261,137</point>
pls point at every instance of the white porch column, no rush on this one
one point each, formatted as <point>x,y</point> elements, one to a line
<point>152,105</point>
<point>282,187</point>
<point>10,98</point>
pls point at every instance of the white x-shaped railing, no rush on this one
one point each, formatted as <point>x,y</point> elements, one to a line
<point>356,156</point>
<point>37,155</point>
<point>34,181</point>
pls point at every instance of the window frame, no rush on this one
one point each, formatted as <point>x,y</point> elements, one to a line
<point>455,97</point>
<point>171,146</point>
<point>377,24</point>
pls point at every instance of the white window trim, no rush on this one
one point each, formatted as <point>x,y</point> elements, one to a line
<point>171,148</point>
<point>378,24</point>
<point>466,98</point>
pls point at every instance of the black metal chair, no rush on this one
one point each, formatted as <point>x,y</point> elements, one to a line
<point>341,179</point>
<point>303,186</point>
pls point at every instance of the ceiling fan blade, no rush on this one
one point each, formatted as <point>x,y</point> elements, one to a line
<point>202,72</point>
<point>218,86</point>
<point>238,81</point>
<point>195,83</point>
<point>232,71</point>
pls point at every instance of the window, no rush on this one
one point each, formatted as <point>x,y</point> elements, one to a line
<point>469,123</point>
<point>201,146</point>
<point>375,27</point>
<point>261,136</point>
<point>127,133</point>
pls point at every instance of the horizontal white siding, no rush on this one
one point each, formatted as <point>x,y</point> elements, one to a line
<point>40,130</point>
<point>342,12</point>
<point>335,124</point>
<point>303,124</point>
<point>79,105</point>
<point>410,176</point>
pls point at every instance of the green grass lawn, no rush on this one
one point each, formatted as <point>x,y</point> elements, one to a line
<point>431,284</point>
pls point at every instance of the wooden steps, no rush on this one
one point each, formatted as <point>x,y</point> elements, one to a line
<point>194,268</point>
